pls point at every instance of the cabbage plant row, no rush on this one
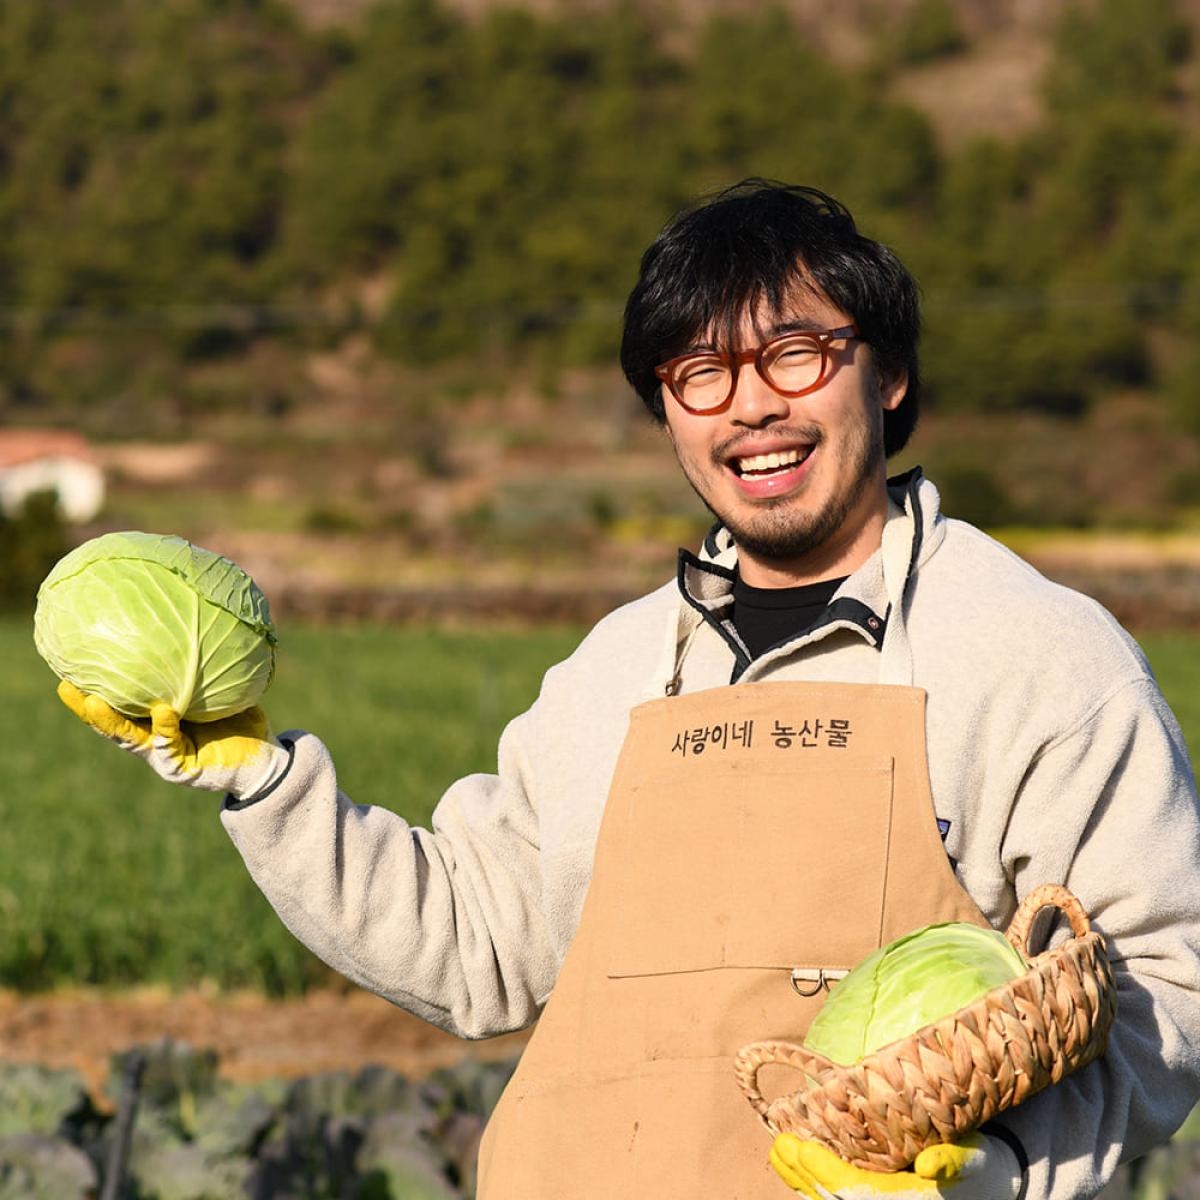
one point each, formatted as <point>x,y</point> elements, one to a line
<point>370,1135</point>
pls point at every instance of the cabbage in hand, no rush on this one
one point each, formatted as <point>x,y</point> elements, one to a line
<point>141,618</point>
<point>908,984</point>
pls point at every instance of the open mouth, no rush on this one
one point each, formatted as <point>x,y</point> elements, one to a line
<point>763,466</point>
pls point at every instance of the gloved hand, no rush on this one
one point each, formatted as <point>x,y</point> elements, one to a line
<point>238,754</point>
<point>977,1168</point>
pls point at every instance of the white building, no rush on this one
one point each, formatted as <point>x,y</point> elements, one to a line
<point>36,460</point>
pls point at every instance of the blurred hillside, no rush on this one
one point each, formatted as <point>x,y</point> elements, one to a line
<point>337,284</point>
<point>973,67</point>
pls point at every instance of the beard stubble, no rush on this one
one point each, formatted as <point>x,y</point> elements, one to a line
<point>781,532</point>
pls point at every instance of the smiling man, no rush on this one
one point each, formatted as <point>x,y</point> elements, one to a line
<point>801,489</point>
<point>849,716</point>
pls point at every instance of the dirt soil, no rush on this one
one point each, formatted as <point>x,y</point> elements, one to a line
<point>254,1038</point>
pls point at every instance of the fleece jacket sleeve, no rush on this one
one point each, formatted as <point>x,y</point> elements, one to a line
<point>1109,808</point>
<point>447,922</point>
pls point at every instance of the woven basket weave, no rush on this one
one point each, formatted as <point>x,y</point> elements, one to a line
<point>949,1077</point>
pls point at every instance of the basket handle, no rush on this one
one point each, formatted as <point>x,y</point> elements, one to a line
<point>752,1058</point>
<point>1049,895</point>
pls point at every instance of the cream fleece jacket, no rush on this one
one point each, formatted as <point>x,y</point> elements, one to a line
<point>1052,756</point>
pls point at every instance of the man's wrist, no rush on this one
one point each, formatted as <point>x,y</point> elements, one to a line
<point>1006,1137</point>
<point>284,752</point>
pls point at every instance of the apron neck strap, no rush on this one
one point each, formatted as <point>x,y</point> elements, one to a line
<point>895,655</point>
<point>896,553</point>
<point>682,626</point>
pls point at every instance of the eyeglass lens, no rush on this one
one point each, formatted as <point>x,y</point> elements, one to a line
<point>790,365</point>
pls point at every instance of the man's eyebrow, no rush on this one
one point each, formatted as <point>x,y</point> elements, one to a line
<point>796,324</point>
<point>799,324</point>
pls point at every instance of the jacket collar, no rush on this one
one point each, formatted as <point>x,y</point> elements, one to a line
<point>863,603</point>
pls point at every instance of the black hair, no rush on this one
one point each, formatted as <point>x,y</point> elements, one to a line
<point>759,240</point>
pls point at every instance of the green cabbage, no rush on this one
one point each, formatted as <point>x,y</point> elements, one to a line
<point>139,618</point>
<point>909,984</point>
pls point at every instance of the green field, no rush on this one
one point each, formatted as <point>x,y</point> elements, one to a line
<point>109,877</point>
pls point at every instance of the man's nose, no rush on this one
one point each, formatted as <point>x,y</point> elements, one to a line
<point>755,402</point>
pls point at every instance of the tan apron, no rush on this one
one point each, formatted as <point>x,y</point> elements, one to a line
<point>754,836</point>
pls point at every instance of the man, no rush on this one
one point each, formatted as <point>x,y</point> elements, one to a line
<point>919,728</point>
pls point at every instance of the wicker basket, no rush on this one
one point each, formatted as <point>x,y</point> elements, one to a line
<point>949,1077</point>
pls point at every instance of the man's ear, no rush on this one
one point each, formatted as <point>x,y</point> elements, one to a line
<point>893,389</point>
<point>664,423</point>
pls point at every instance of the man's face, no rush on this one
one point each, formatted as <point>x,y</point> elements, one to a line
<point>819,511</point>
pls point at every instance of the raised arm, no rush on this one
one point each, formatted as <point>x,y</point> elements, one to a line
<point>447,923</point>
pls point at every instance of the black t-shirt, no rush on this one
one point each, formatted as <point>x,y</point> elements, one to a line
<point>764,617</point>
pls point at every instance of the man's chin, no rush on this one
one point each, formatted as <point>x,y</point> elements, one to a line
<point>781,534</point>
<point>780,548</point>
<point>778,536</point>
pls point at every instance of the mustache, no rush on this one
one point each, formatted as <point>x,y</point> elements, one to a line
<point>742,444</point>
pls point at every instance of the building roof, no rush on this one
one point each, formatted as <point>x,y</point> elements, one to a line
<point>19,446</point>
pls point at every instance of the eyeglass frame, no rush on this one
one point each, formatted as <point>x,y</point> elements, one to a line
<point>735,359</point>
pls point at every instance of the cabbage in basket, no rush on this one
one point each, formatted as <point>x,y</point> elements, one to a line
<point>908,984</point>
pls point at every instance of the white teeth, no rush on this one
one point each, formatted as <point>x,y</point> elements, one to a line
<point>771,462</point>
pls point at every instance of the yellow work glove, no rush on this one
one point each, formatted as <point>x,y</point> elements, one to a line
<point>977,1168</point>
<point>238,755</point>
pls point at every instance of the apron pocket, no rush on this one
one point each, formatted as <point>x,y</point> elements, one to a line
<point>782,869</point>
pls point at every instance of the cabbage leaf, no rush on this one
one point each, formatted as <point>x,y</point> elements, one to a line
<point>908,984</point>
<point>140,618</point>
